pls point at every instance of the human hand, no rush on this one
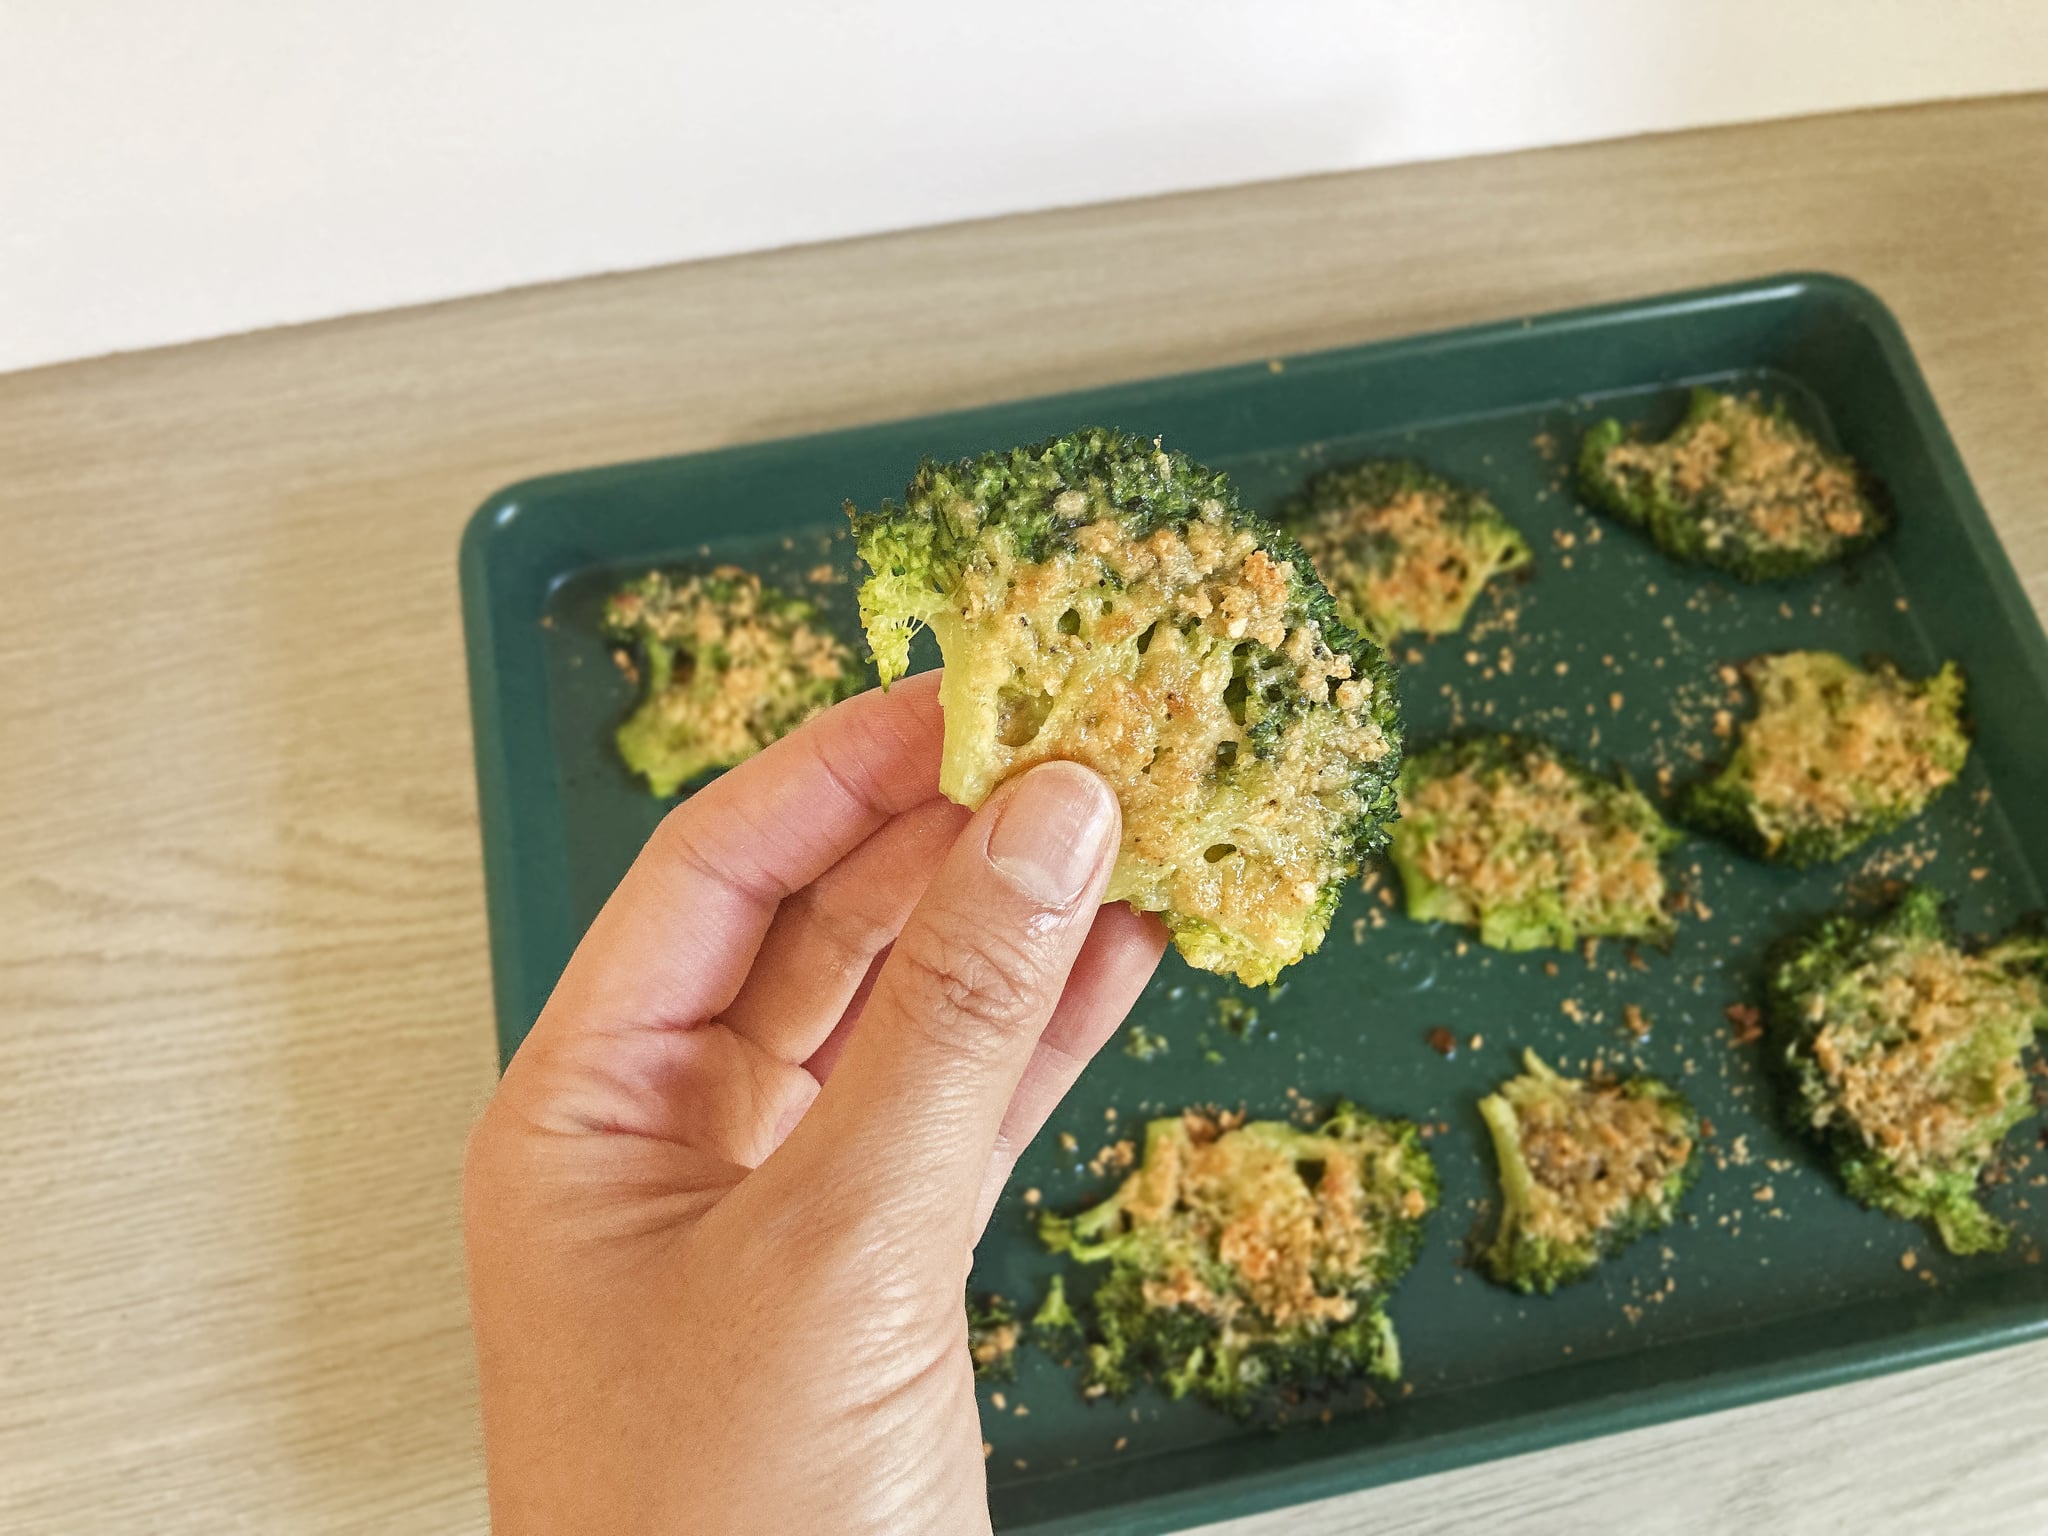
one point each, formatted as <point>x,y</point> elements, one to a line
<point>721,1212</point>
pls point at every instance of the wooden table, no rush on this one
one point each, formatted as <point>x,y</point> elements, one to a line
<point>242,973</point>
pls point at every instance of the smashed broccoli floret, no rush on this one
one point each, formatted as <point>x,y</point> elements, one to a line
<point>1738,485</point>
<point>1251,1260</point>
<point>1099,599</point>
<point>992,1337</point>
<point>1907,1049</point>
<point>1585,1169</point>
<point>1509,835</point>
<point>726,666</point>
<point>1401,549</point>
<point>1834,756</point>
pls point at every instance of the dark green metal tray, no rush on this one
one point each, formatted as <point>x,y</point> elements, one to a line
<point>1775,1283</point>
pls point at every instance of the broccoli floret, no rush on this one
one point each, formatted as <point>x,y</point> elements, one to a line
<point>1100,599</point>
<point>1509,835</point>
<point>1249,1261</point>
<point>1401,549</point>
<point>1585,1169</point>
<point>1054,1325</point>
<point>730,665</point>
<point>1907,1051</point>
<point>1834,756</point>
<point>1738,485</point>
<point>992,1337</point>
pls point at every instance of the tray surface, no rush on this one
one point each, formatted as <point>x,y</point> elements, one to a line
<point>1775,1281</point>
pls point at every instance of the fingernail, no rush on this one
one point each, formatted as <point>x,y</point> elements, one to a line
<point>1053,831</point>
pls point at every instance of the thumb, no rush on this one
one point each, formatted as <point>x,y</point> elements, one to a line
<point>911,1113</point>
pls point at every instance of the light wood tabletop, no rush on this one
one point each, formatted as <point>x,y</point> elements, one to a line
<point>242,958</point>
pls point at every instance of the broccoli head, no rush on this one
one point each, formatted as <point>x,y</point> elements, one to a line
<point>1585,1169</point>
<point>1099,599</point>
<point>1401,549</point>
<point>1907,1052</point>
<point>726,666</point>
<point>1738,485</point>
<point>1834,756</point>
<point>1248,1260</point>
<point>992,1336</point>
<point>1509,835</point>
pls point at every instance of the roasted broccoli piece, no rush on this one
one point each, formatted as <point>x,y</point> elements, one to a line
<point>726,666</point>
<point>1401,549</point>
<point>1585,1169</point>
<point>1834,756</point>
<point>1509,835</point>
<point>1738,485</point>
<point>1100,599</point>
<point>1250,1260</point>
<point>992,1337</point>
<point>1906,1049</point>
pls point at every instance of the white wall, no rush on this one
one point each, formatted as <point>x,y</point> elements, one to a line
<point>184,169</point>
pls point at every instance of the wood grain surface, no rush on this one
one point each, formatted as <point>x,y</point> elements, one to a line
<point>242,969</point>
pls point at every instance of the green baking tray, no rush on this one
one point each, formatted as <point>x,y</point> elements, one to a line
<point>1774,1283</point>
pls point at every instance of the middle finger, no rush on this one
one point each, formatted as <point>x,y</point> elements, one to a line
<point>823,939</point>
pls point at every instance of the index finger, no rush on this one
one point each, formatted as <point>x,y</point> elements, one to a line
<point>675,939</point>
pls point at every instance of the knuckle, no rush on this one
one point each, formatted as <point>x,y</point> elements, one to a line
<point>849,773</point>
<point>850,931</point>
<point>711,844</point>
<point>969,989</point>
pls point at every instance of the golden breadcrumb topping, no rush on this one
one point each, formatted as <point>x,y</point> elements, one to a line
<point>732,666</point>
<point>1593,1152</point>
<point>1397,564</point>
<point>1830,740</point>
<point>1915,1087</point>
<point>1755,475</point>
<point>1294,1239</point>
<point>1221,825</point>
<point>1500,839</point>
<point>994,1345</point>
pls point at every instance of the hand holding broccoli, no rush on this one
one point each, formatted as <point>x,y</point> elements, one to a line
<point>721,1210</point>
